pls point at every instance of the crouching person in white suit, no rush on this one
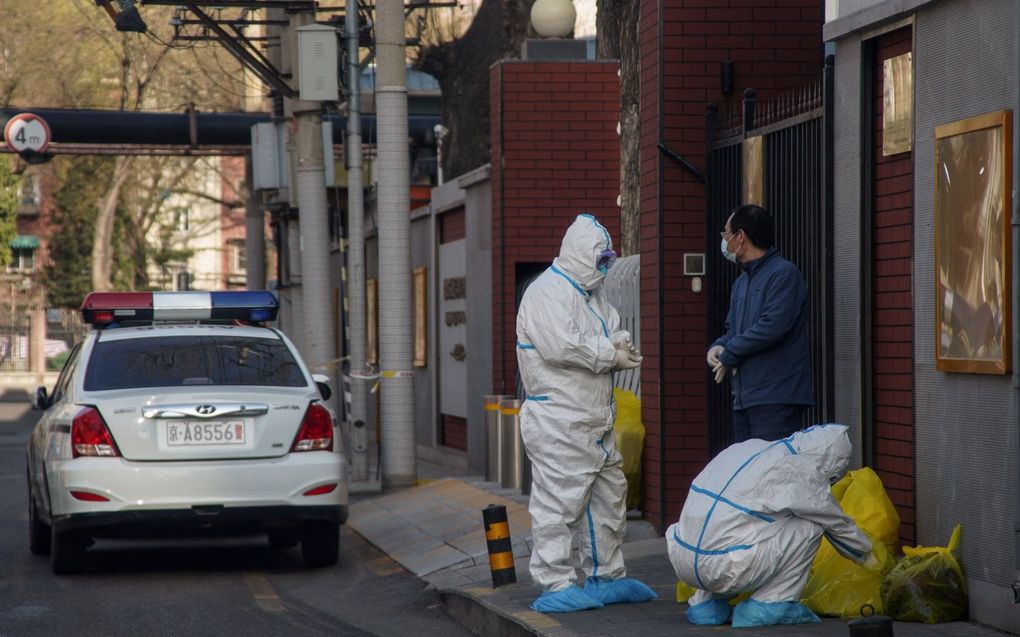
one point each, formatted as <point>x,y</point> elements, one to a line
<point>753,521</point>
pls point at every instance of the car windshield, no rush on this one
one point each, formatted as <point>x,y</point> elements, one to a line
<point>191,360</point>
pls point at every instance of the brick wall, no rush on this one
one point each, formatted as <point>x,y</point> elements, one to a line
<point>232,220</point>
<point>774,44</point>
<point>555,154</point>
<point>892,419</point>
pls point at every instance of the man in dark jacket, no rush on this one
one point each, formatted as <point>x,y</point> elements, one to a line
<point>765,346</point>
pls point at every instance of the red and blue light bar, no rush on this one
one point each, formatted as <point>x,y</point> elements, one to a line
<point>102,309</point>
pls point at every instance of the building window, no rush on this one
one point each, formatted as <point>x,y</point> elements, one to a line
<point>28,196</point>
<point>22,259</point>
<point>29,190</point>
<point>183,282</point>
<point>238,256</point>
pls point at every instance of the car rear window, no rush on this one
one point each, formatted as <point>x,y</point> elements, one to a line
<point>173,361</point>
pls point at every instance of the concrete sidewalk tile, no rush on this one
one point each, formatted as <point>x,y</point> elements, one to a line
<point>430,560</point>
<point>473,544</point>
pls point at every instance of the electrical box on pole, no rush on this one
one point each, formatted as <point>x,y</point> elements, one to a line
<point>328,162</point>
<point>318,63</point>
<point>269,156</point>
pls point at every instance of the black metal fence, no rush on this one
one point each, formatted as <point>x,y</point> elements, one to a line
<point>63,329</point>
<point>796,132</point>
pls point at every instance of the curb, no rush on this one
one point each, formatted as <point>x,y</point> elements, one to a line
<point>481,618</point>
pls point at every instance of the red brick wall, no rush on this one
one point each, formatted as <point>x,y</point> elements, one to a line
<point>452,225</point>
<point>774,44</point>
<point>891,424</point>
<point>555,154</point>
<point>232,222</point>
<point>454,432</point>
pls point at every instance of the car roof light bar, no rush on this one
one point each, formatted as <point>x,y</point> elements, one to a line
<point>107,309</point>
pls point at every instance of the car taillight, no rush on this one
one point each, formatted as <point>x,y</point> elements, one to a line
<point>316,431</point>
<point>90,436</point>
<point>88,496</point>
<point>321,490</point>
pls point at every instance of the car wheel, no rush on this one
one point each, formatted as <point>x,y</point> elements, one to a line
<point>284,538</point>
<point>38,531</point>
<point>320,543</point>
<point>67,551</point>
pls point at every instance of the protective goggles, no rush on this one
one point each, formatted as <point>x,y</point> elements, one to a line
<point>606,259</point>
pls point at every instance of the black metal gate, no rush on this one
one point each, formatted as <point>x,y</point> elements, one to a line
<point>796,132</point>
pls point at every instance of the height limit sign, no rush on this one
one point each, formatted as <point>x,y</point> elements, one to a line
<point>27,133</point>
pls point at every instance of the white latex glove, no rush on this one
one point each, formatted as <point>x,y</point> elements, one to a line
<point>871,562</point>
<point>720,372</point>
<point>622,340</point>
<point>625,359</point>
<point>713,357</point>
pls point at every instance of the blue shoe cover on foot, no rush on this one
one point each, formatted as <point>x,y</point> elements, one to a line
<point>714,612</point>
<point>755,613</point>
<point>568,600</point>
<point>625,590</point>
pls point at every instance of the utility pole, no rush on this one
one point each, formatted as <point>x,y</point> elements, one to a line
<point>254,232</point>
<point>395,333</point>
<point>309,189</point>
<point>360,377</point>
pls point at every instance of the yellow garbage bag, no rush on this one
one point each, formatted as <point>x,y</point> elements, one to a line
<point>927,585</point>
<point>684,591</point>
<point>630,441</point>
<point>837,586</point>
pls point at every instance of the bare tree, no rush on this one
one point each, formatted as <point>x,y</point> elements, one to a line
<point>461,66</point>
<point>617,38</point>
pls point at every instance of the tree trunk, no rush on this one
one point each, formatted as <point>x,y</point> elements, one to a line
<point>618,38</point>
<point>102,245</point>
<point>462,69</point>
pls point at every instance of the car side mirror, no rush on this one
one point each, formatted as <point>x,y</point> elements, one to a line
<point>322,382</point>
<point>40,400</point>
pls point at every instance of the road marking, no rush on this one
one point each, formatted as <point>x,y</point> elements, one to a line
<point>263,593</point>
<point>383,566</point>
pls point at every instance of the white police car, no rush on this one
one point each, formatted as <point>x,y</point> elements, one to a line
<point>180,411</point>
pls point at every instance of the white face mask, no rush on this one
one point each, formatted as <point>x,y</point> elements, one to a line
<point>730,256</point>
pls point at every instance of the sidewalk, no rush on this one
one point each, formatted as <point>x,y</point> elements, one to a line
<point>435,531</point>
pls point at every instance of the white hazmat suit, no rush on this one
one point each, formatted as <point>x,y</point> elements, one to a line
<point>566,332</point>
<point>753,521</point>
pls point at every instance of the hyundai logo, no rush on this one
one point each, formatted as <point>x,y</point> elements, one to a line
<point>205,409</point>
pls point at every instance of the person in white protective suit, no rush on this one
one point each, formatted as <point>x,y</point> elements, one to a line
<point>753,521</point>
<point>568,342</point>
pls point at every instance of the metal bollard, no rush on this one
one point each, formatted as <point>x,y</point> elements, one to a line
<point>510,468</point>
<point>497,537</point>
<point>493,445</point>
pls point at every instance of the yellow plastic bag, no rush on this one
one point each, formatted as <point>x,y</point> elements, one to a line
<point>630,440</point>
<point>837,586</point>
<point>927,585</point>
<point>684,591</point>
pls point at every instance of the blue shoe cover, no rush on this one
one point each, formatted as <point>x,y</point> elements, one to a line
<point>714,612</point>
<point>625,590</point>
<point>568,600</point>
<point>754,613</point>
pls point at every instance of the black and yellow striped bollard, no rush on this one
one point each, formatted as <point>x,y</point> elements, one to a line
<point>497,537</point>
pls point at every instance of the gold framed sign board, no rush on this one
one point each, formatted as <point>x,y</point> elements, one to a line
<point>371,322</point>
<point>973,183</point>
<point>420,316</point>
<point>753,181</point>
<point>897,105</point>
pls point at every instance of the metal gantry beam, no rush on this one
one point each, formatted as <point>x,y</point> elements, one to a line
<point>255,62</point>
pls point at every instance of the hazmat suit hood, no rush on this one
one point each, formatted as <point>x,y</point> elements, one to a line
<point>579,252</point>
<point>826,446</point>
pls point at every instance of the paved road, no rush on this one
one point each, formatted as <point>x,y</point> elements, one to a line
<point>189,587</point>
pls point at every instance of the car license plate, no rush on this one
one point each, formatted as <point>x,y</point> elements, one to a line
<point>194,433</point>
